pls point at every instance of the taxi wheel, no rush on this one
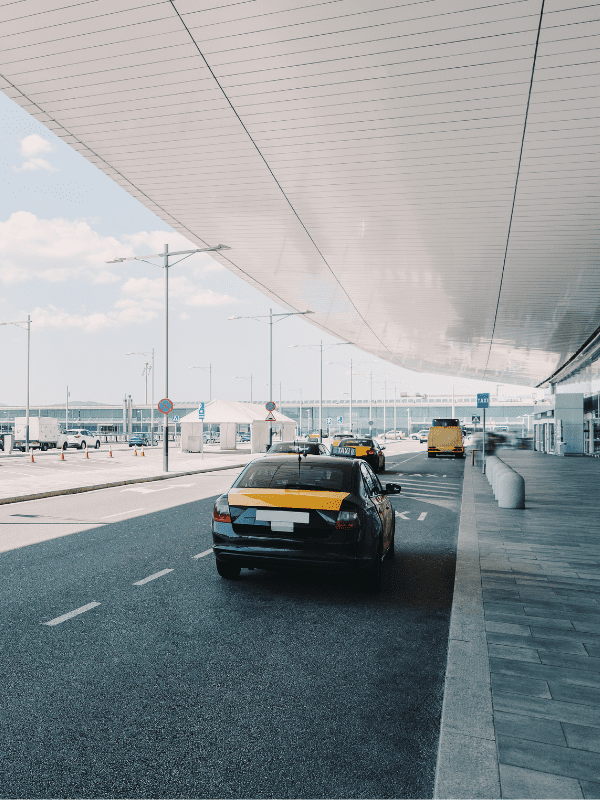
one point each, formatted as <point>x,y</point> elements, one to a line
<point>383,466</point>
<point>390,551</point>
<point>229,571</point>
<point>372,579</point>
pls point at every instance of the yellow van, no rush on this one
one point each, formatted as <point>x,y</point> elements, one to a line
<point>445,438</point>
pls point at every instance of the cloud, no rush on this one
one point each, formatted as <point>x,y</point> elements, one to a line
<point>36,252</point>
<point>31,148</point>
<point>34,145</point>
<point>35,164</point>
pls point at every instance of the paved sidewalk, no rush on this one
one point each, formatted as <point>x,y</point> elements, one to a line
<point>20,478</point>
<point>522,703</point>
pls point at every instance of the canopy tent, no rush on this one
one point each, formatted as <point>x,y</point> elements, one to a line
<point>228,414</point>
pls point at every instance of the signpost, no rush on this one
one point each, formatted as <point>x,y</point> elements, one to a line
<point>201,418</point>
<point>483,401</point>
<point>340,419</point>
<point>475,419</point>
<point>270,406</point>
<point>165,407</point>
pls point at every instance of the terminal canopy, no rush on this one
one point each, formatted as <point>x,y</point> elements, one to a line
<point>423,176</point>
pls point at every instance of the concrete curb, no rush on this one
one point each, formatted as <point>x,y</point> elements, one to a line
<point>80,489</point>
<point>467,764</point>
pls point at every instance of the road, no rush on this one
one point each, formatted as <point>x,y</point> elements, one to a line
<point>186,685</point>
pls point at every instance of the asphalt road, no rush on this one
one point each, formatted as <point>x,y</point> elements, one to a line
<point>186,685</point>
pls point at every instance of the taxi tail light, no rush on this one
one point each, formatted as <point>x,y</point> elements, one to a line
<point>349,518</point>
<point>370,452</point>
<point>221,510</point>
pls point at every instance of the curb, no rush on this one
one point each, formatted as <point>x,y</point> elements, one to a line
<point>80,489</point>
<point>467,764</point>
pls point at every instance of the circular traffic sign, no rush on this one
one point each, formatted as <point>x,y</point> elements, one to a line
<point>270,406</point>
<point>165,406</point>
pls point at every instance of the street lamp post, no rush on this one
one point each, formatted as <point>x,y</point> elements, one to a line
<point>245,378</point>
<point>18,323</point>
<point>149,353</point>
<point>270,316</point>
<point>209,368</point>
<point>165,255</point>
<point>327,347</point>
<point>351,375</point>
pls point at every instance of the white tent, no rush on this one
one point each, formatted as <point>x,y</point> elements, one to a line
<point>228,414</point>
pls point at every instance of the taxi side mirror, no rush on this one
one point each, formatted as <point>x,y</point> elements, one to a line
<point>382,447</point>
<point>393,488</point>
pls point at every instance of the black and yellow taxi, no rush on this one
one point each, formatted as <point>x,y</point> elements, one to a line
<point>305,511</point>
<point>360,447</point>
<point>303,448</point>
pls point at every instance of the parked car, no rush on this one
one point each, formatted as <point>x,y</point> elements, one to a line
<point>361,447</point>
<point>423,435</point>
<point>80,439</point>
<point>302,448</point>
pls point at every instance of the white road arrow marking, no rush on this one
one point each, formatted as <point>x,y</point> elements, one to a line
<point>402,513</point>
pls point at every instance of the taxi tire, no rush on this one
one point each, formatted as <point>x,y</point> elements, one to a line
<point>227,570</point>
<point>390,552</point>
<point>372,578</point>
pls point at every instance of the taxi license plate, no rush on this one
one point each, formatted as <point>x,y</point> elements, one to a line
<point>282,521</point>
<point>346,451</point>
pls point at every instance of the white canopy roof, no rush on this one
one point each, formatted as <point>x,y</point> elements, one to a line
<point>219,411</point>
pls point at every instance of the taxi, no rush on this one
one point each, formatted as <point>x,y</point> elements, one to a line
<point>305,448</point>
<point>305,511</point>
<point>360,447</point>
<point>445,438</point>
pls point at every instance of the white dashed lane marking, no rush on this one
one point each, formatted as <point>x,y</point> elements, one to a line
<point>152,577</point>
<point>120,514</point>
<point>205,553</point>
<point>422,516</point>
<point>70,614</point>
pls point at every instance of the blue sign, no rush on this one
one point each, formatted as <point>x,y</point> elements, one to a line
<point>483,400</point>
<point>201,411</point>
<point>329,420</point>
<point>340,419</point>
<point>174,419</point>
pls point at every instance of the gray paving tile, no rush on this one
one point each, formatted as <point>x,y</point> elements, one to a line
<point>507,627</point>
<point>543,632</point>
<point>583,663</point>
<point>559,646</point>
<point>593,649</point>
<point>512,619</point>
<point>582,737</point>
<point>546,709</point>
<point>518,783</point>
<point>504,608</point>
<point>506,652</point>
<point>518,684</point>
<point>565,761</point>
<point>588,627</point>
<point>591,790</point>
<point>586,695</point>
<point>523,726</point>
<point>545,672</point>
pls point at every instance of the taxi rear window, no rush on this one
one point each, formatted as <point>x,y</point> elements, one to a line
<point>294,447</point>
<point>295,475</point>
<point>446,423</point>
<point>356,443</point>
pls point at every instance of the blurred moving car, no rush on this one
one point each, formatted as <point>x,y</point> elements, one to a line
<point>139,440</point>
<point>305,512</point>
<point>361,447</point>
<point>445,438</point>
<point>394,435</point>
<point>80,439</point>
<point>423,435</point>
<point>302,448</point>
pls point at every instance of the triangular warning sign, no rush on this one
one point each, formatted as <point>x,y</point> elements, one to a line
<point>270,417</point>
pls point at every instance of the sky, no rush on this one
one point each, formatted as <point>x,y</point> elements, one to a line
<point>61,220</point>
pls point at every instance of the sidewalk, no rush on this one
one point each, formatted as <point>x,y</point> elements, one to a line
<point>521,714</point>
<point>22,479</point>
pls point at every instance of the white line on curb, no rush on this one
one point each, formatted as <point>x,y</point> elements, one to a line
<point>205,553</point>
<point>64,617</point>
<point>130,511</point>
<point>152,577</point>
<point>422,516</point>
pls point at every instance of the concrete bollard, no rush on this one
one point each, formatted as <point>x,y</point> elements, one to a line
<point>511,490</point>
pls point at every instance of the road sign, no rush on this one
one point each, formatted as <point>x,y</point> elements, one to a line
<point>483,400</point>
<point>270,417</point>
<point>328,420</point>
<point>370,422</point>
<point>175,419</point>
<point>270,406</point>
<point>475,419</point>
<point>165,406</point>
<point>340,419</point>
<point>200,410</point>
